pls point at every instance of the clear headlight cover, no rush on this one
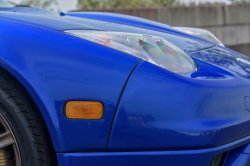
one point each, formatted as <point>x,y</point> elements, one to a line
<point>150,48</point>
<point>201,33</point>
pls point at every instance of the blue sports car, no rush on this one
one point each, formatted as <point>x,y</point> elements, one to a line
<point>102,89</point>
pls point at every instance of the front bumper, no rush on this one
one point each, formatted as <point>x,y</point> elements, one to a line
<point>201,157</point>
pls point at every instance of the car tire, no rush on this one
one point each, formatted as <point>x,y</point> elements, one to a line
<point>28,141</point>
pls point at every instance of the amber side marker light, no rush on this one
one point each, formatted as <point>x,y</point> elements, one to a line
<point>84,110</point>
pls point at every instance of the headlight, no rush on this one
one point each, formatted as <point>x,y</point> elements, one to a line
<point>150,48</point>
<point>201,33</point>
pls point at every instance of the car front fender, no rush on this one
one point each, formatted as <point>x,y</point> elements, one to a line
<point>55,67</point>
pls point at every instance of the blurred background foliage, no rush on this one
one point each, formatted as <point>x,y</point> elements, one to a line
<point>110,4</point>
<point>94,4</point>
<point>46,4</point>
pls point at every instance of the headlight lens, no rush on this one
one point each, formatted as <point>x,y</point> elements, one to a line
<point>150,48</point>
<point>201,33</point>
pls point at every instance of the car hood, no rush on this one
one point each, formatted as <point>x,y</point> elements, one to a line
<point>226,59</point>
<point>63,22</point>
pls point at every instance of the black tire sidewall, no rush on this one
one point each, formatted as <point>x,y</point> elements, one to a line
<point>10,112</point>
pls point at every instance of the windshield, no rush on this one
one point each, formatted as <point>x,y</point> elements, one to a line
<point>5,4</point>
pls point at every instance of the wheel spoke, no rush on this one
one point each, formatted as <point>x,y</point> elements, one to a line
<point>6,139</point>
<point>8,145</point>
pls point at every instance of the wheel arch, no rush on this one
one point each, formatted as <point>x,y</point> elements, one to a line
<point>33,97</point>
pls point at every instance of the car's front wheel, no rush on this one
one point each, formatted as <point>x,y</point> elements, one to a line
<point>24,138</point>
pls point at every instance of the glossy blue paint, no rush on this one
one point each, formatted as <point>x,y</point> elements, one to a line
<point>186,117</point>
<point>128,20</point>
<point>201,157</point>
<point>244,149</point>
<point>161,110</point>
<point>56,67</point>
<point>238,156</point>
<point>39,62</point>
<point>237,159</point>
<point>57,22</point>
<point>122,19</point>
<point>225,59</point>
